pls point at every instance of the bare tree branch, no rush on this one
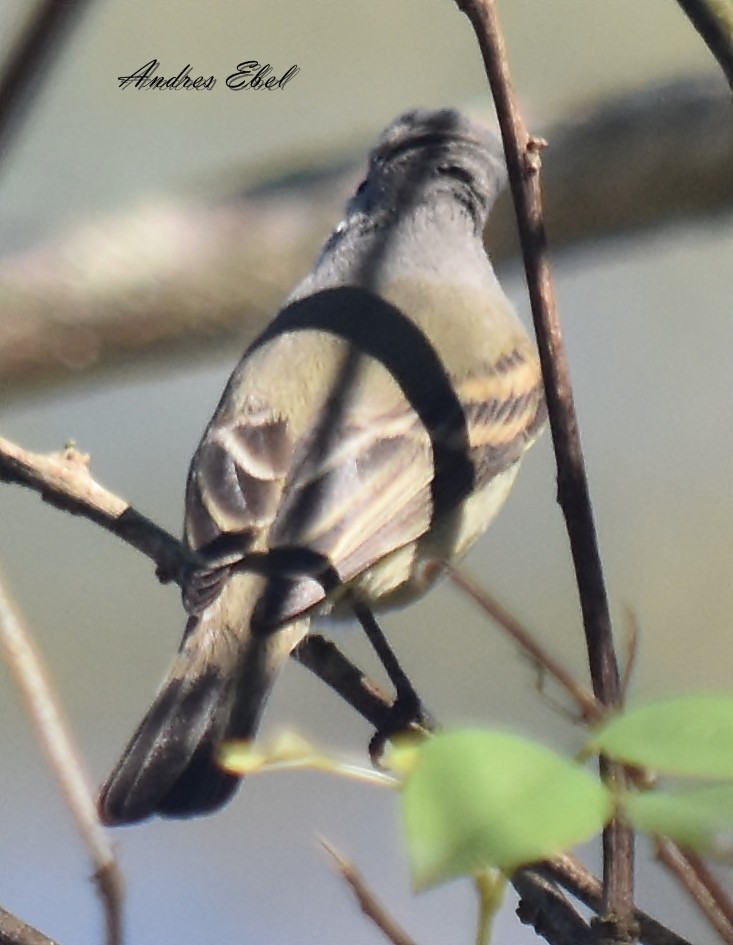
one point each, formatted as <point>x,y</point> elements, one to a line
<point>589,707</point>
<point>324,659</point>
<point>522,153</point>
<point>569,873</point>
<point>368,902</point>
<point>64,479</point>
<point>701,887</point>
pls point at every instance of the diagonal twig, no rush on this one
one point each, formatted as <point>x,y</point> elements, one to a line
<point>589,707</point>
<point>368,902</point>
<point>25,666</point>
<point>701,885</point>
<point>64,479</point>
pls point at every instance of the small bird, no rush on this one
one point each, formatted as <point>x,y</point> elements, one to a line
<point>376,426</point>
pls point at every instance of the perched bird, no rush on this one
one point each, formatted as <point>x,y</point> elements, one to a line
<point>376,425</point>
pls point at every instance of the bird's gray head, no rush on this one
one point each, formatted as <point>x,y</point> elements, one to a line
<point>428,153</point>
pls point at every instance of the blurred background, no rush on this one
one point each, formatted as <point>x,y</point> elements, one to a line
<point>649,333</point>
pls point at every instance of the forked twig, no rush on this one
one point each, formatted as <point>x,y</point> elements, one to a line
<point>570,873</point>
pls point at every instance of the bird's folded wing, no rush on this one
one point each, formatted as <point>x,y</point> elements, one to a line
<point>358,484</point>
<point>505,411</point>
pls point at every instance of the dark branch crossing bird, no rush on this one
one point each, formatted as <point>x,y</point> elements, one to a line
<point>375,427</point>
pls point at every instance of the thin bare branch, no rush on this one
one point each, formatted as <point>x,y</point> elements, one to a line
<point>324,659</point>
<point>588,705</point>
<point>523,163</point>
<point>15,932</point>
<point>368,902</point>
<point>24,664</point>
<point>64,479</point>
<point>632,649</point>
<point>721,896</point>
<point>700,885</point>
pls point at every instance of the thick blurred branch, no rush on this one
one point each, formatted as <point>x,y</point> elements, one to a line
<point>175,277</point>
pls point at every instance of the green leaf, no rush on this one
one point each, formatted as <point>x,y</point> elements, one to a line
<point>478,799</point>
<point>701,818</point>
<point>690,735</point>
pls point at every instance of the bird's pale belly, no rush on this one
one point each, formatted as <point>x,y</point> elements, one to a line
<point>408,572</point>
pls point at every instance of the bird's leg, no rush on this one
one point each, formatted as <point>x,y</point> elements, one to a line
<point>407,710</point>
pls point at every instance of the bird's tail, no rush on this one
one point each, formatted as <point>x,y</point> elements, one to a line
<point>215,690</point>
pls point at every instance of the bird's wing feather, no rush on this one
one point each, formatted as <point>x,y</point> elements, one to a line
<point>505,410</point>
<point>357,485</point>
